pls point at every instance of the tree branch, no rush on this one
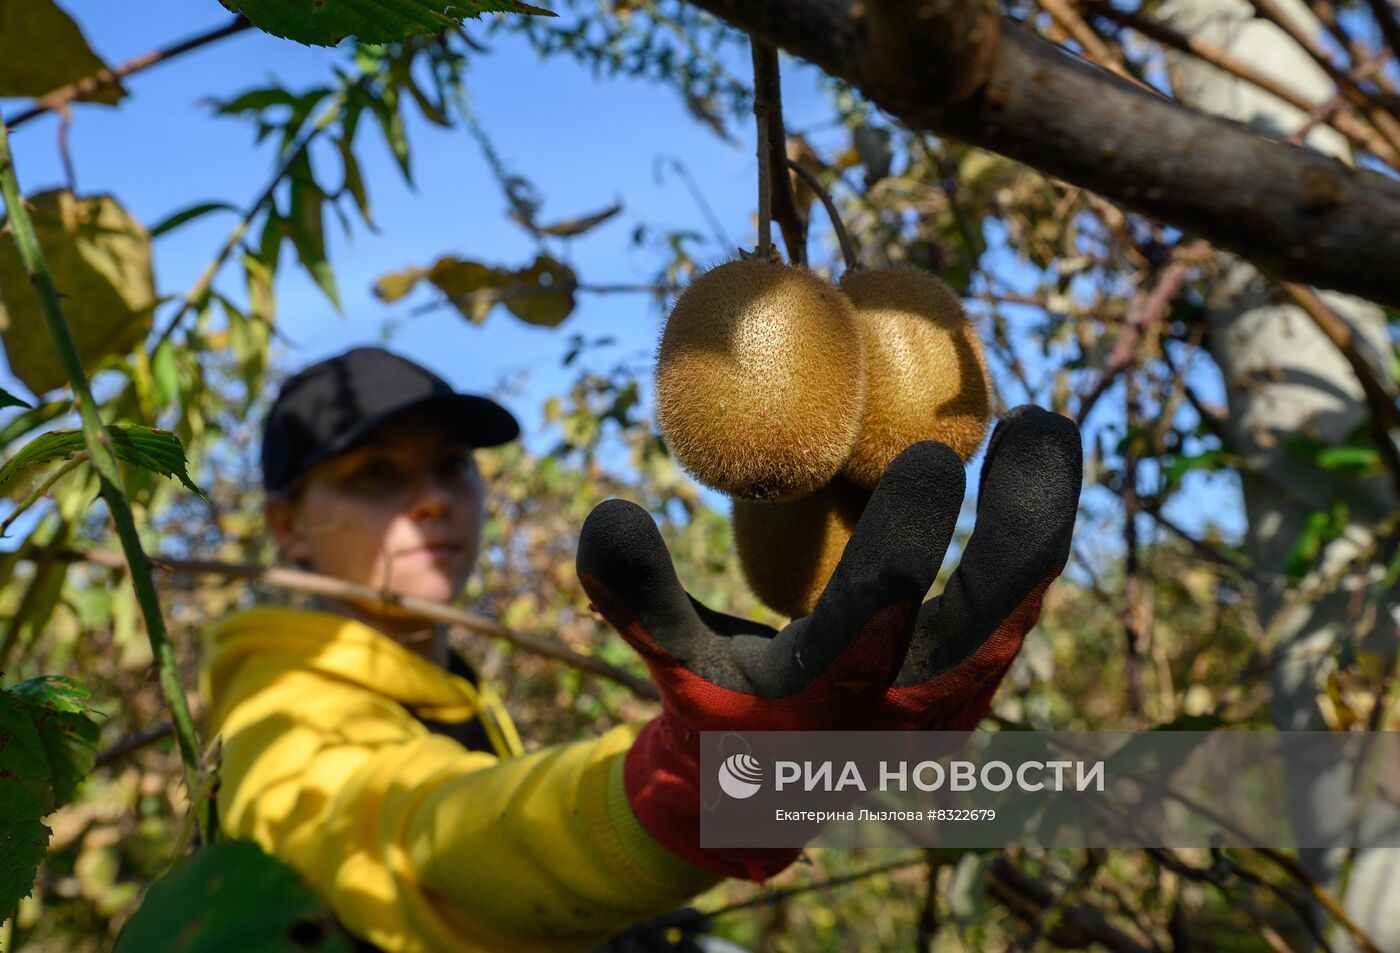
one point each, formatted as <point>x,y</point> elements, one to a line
<point>101,80</point>
<point>1360,134</point>
<point>1295,213</point>
<point>297,580</point>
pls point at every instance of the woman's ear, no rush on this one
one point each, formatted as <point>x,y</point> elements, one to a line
<point>281,515</point>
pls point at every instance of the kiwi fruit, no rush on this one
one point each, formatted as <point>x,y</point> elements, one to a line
<point>926,375</point>
<point>760,380</point>
<point>788,551</point>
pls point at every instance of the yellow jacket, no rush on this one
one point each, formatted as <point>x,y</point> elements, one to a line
<point>416,842</point>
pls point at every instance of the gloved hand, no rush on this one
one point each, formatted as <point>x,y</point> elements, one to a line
<point>966,638</point>
<point>848,664</point>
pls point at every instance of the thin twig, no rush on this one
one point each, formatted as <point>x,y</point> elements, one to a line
<point>1380,394</point>
<point>1080,925</point>
<point>61,97</point>
<point>848,249</point>
<point>42,489</point>
<point>764,59</point>
<point>1134,632</point>
<point>1384,122</point>
<point>297,580</point>
<point>783,205</point>
<point>494,295</point>
<point>1359,133</point>
<point>1147,309</point>
<point>134,742</point>
<point>1389,24</point>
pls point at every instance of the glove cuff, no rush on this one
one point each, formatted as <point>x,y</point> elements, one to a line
<point>661,775</point>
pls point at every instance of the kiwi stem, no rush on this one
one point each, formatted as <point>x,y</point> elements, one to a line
<point>782,202</point>
<point>848,248</point>
<point>765,66</point>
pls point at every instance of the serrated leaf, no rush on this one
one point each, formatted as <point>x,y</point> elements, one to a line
<point>327,22</point>
<point>25,785</point>
<point>548,296</point>
<point>179,218</point>
<point>60,713</point>
<point>146,447</point>
<point>228,896</point>
<point>42,49</point>
<point>26,795</point>
<point>10,400</point>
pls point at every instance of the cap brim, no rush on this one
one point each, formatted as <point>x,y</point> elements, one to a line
<point>479,421</point>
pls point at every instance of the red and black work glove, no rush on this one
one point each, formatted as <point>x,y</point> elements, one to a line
<point>843,666</point>
<point>966,638</point>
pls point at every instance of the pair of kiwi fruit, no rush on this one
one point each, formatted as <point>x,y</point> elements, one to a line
<point>793,396</point>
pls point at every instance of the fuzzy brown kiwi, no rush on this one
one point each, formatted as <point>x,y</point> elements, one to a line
<point>926,375</point>
<point>788,551</point>
<point>760,380</point>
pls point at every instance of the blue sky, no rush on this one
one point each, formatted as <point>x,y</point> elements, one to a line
<point>584,142</point>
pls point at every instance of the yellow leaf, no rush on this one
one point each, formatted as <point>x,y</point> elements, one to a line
<point>100,258</point>
<point>397,284</point>
<point>41,49</point>
<point>472,287</point>
<point>545,294</point>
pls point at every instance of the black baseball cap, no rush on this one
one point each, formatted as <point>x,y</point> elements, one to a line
<point>324,409</point>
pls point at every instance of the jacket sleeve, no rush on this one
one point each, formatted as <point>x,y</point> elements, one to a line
<point>419,844</point>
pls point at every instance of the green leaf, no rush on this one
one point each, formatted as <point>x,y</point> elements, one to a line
<point>32,420</point>
<point>146,447</point>
<point>1351,458</point>
<point>386,111</point>
<point>354,181</point>
<point>257,100</point>
<point>306,223</point>
<point>10,400</point>
<point>189,215</point>
<point>1210,460</point>
<point>230,896</point>
<point>26,795</point>
<point>327,22</point>
<point>165,370</point>
<point>60,713</point>
<point>1321,528</point>
<point>41,49</point>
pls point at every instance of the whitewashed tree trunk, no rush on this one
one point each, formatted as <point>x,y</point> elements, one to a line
<point>1283,378</point>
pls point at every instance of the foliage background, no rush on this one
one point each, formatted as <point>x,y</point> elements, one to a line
<point>467,145</point>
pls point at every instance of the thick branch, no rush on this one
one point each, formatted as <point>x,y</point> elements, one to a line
<point>1296,214</point>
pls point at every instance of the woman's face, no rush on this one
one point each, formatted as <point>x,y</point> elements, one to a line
<point>401,512</point>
